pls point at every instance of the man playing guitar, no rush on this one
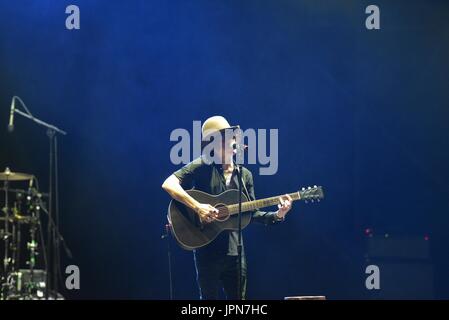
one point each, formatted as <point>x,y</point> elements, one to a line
<point>216,263</point>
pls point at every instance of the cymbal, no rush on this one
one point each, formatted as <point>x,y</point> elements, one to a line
<point>8,175</point>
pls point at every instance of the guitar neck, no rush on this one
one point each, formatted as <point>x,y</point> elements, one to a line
<point>261,203</point>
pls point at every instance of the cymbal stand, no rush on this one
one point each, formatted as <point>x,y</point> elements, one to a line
<point>6,240</point>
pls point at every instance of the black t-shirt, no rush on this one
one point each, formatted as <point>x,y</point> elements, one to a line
<point>210,178</point>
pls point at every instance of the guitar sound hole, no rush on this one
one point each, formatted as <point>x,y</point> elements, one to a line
<point>223,212</point>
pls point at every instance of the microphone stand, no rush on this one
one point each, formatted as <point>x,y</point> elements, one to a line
<point>238,166</point>
<point>239,244</point>
<point>166,236</point>
<point>56,229</point>
<point>53,234</point>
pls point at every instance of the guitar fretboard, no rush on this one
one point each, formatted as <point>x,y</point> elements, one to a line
<point>261,203</point>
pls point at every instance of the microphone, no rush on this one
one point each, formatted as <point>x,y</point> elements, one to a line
<point>11,115</point>
<point>238,147</point>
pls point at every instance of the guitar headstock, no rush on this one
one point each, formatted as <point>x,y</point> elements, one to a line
<point>314,193</point>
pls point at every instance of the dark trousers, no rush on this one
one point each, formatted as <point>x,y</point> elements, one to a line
<point>216,273</point>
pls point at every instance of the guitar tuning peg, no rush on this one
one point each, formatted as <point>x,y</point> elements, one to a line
<point>312,201</point>
<point>309,188</point>
<point>315,186</point>
<point>318,200</point>
<point>303,188</point>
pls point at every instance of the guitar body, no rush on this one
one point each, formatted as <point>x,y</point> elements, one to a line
<point>190,232</point>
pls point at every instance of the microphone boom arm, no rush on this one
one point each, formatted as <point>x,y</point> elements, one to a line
<point>40,122</point>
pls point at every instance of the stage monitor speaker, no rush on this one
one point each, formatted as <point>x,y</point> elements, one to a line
<point>405,267</point>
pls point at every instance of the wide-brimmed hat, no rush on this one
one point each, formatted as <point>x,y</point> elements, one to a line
<point>213,126</point>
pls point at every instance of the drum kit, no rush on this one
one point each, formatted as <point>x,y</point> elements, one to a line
<point>21,230</point>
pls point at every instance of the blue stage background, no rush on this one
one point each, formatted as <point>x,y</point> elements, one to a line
<point>363,113</point>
